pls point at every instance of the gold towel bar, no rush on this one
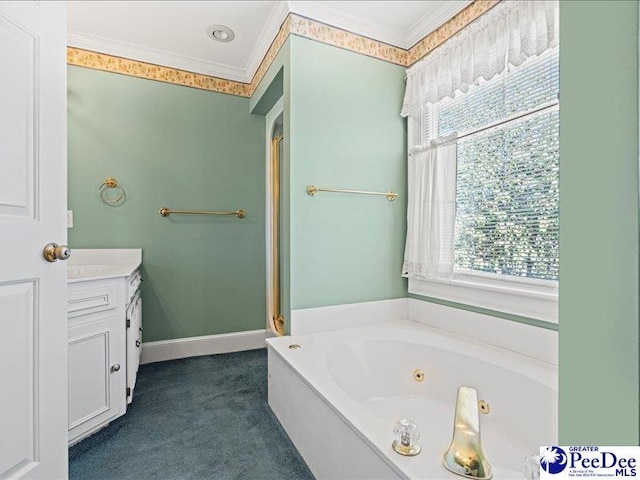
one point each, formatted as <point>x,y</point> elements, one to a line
<point>165,212</point>
<point>312,190</point>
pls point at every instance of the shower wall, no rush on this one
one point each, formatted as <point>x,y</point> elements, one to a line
<point>181,148</point>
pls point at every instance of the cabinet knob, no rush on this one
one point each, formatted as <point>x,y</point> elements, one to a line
<point>115,368</point>
<point>138,343</point>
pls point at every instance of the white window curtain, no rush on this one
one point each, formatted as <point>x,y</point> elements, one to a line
<point>431,211</point>
<point>507,35</point>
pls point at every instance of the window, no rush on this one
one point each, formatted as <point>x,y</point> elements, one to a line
<point>506,192</point>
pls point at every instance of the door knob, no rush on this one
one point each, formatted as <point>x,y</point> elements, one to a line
<point>115,368</point>
<point>53,252</point>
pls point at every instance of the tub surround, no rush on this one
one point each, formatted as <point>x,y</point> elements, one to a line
<point>535,342</point>
<point>323,319</point>
<point>529,340</point>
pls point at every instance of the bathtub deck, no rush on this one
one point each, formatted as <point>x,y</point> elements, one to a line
<point>338,397</point>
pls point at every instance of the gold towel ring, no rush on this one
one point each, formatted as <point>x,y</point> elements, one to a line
<point>109,183</point>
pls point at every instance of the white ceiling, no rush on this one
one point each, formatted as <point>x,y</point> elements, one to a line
<point>172,33</point>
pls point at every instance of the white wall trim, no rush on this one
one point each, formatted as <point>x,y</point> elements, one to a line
<point>206,345</point>
<point>317,11</point>
<point>525,297</point>
<point>321,12</point>
<point>428,23</point>
<point>271,28</point>
<point>141,53</point>
<point>157,57</point>
<point>352,315</point>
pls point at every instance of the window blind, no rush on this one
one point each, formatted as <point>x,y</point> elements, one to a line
<point>507,188</point>
<point>525,88</point>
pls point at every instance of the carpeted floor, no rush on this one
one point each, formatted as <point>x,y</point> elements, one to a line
<point>195,418</point>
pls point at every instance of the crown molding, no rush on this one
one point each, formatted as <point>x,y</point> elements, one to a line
<point>157,57</point>
<point>448,29</point>
<point>276,18</point>
<point>320,12</point>
<point>338,37</point>
<point>404,39</point>
<point>429,23</point>
<point>119,57</point>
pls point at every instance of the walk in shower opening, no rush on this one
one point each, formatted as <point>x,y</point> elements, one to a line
<point>275,317</point>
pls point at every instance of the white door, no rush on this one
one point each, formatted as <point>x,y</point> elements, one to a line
<point>33,325</point>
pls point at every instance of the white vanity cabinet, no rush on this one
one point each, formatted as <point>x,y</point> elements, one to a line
<point>104,344</point>
<point>97,356</point>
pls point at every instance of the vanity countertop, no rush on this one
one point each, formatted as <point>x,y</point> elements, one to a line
<point>100,263</point>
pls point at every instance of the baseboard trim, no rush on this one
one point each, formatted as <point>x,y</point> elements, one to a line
<point>207,345</point>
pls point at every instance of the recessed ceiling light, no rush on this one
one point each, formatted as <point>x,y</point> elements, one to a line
<point>220,33</point>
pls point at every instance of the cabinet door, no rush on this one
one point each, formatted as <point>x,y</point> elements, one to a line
<point>95,374</point>
<point>134,343</point>
<point>138,327</point>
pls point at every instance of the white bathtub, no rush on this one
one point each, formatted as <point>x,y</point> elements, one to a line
<point>339,395</point>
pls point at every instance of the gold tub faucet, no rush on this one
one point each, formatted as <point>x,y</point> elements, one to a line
<point>465,456</point>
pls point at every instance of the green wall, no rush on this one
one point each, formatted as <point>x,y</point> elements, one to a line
<point>346,132</point>
<point>177,147</point>
<point>599,223</point>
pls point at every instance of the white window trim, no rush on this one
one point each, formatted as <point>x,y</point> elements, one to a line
<point>537,299</point>
<point>526,297</point>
